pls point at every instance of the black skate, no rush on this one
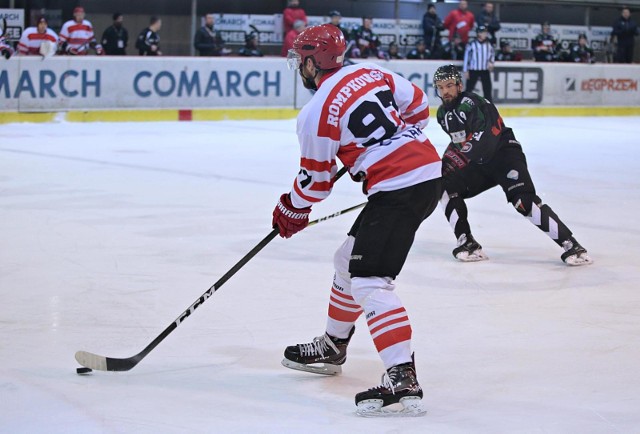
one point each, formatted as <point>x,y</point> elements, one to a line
<point>323,355</point>
<point>469,250</point>
<point>574,253</point>
<point>399,385</point>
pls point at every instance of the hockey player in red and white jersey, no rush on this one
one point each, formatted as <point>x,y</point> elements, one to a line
<point>370,119</point>
<point>77,37</point>
<point>33,38</point>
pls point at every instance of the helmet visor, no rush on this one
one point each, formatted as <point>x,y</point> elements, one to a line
<point>293,60</point>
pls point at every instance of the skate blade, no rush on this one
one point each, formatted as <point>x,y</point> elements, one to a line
<point>577,260</point>
<point>476,256</point>
<point>319,368</point>
<point>410,406</point>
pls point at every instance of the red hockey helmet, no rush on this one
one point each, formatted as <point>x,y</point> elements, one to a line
<point>325,44</point>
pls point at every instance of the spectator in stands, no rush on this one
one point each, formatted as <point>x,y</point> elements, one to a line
<point>420,52</point>
<point>336,18</point>
<point>454,50</point>
<point>208,41</point>
<point>623,33</point>
<point>364,43</point>
<point>77,37</point>
<point>581,52</point>
<point>431,27</point>
<point>298,27</point>
<point>148,42</point>
<point>460,21</point>
<point>250,48</point>
<point>545,45</point>
<point>479,57</point>
<point>292,13</point>
<point>506,53</point>
<point>487,18</point>
<point>392,52</point>
<point>39,40</point>
<point>115,37</point>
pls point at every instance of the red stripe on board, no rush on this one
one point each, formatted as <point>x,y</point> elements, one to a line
<point>185,115</point>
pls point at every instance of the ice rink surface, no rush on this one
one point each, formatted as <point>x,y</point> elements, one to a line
<point>110,231</point>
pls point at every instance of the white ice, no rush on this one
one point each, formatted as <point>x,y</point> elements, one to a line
<point>109,231</point>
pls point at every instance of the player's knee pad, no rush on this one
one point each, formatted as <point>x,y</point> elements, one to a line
<point>364,289</point>
<point>341,259</point>
<point>524,202</point>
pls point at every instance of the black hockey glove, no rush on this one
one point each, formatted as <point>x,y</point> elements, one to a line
<point>453,160</point>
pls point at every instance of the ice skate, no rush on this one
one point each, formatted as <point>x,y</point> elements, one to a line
<point>574,254</point>
<point>469,250</point>
<point>323,355</point>
<point>398,395</point>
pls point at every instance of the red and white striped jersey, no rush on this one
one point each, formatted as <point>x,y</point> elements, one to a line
<point>371,119</point>
<point>78,36</point>
<point>31,40</point>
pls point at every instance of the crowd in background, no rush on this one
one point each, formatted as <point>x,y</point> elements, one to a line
<point>77,37</point>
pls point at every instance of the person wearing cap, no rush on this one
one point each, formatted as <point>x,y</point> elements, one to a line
<point>335,18</point>
<point>207,40</point>
<point>420,52</point>
<point>581,52</point>
<point>33,38</point>
<point>454,49</point>
<point>77,37</point>
<point>545,45</point>
<point>250,48</point>
<point>431,27</point>
<point>479,57</point>
<point>392,52</point>
<point>115,37</point>
<point>506,54</point>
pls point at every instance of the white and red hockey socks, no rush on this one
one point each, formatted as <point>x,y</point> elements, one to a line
<point>387,318</point>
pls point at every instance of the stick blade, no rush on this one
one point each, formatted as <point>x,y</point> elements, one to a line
<point>92,361</point>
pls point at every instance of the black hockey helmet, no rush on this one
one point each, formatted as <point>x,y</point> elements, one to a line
<point>481,28</point>
<point>447,72</point>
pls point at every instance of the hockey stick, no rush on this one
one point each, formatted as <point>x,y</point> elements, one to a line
<point>103,363</point>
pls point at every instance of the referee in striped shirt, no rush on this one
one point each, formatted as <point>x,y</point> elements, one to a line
<point>478,62</point>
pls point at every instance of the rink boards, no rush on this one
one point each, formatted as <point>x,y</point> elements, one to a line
<point>136,88</point>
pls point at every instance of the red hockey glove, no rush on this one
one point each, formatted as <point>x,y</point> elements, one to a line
<point>288,219</point>
<point>453,160</point>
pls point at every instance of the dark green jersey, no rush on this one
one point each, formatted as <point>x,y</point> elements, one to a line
<point>475,127</point>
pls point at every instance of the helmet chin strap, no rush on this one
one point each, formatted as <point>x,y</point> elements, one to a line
<point>309,83</point>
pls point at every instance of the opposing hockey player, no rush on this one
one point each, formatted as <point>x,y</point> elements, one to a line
<point>371,119</point>
<point>484,153</point>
